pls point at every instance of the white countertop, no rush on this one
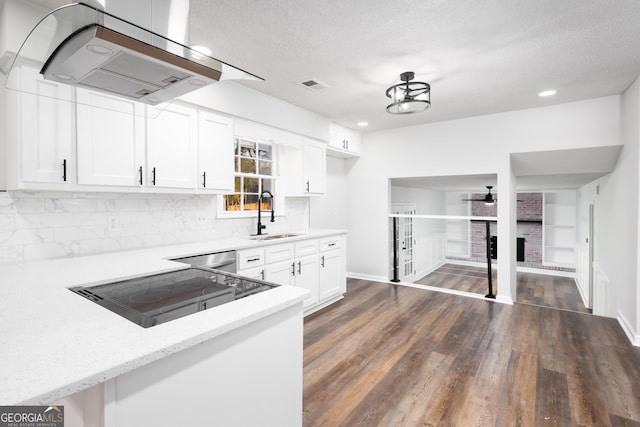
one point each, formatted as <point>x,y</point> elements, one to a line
<point>54,343</point>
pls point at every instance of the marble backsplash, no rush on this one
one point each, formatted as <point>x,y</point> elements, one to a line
<point>42,225</point>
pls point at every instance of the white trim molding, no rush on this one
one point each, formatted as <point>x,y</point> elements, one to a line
<point>629,330</point>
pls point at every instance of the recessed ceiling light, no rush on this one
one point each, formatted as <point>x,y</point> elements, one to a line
<point>363,124</point>
<point>62,76</point>
<point>197,82</point>
<point>100,50</point>
<point>547,93</point>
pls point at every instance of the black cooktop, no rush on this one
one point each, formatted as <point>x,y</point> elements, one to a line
<point>159,298</point>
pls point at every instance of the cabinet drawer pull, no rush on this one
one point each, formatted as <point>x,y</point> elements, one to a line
<point>293,268</point>
<point>64,170</point>
<point>331,244</point>
<point>322,261</point>
<point>140,172</point>
<point>307,186</point>
<point>253,259</point>
<point>299,268</point>
<point>153,176</point>
<point>262,274</point>
<point>204,179</point>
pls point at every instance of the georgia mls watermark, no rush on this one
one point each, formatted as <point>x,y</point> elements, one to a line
<point>31,416</point>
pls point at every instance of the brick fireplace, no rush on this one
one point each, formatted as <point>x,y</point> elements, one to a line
<point>529,227</point>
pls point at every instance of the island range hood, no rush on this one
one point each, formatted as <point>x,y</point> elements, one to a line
<point>84,46</point>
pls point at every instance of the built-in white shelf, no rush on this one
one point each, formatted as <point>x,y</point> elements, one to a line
<point>458,230</point>
<point>559,236</point>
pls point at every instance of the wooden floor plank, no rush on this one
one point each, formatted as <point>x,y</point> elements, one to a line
<point>390,355</point>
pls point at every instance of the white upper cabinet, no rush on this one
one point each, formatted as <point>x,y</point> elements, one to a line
<point>111,140</point>
<point>343,142</point>
<point>45,148</point>
<point>215,152</point>
<point>303,167</point>
<point>315,167</point>
<point>172,148</point>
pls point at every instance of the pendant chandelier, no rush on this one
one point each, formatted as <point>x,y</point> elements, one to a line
<point>409,97</point>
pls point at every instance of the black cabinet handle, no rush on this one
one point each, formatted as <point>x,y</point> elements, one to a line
<point>293,268</point>
<point>140,172</point>
<point>254,259</point>
<point>262,274</point>
<point>64,170</point>
<point>204,179</point>
<point>322,261</point>
<point>331,244</point>
<point>299,268</point>
<point>153,176</point>
<point>307,186</point>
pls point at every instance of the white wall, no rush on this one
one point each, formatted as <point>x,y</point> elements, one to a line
<point>616,221</point>
<point>478,145</point>
<point>428,202</point>
<point>330,211</point>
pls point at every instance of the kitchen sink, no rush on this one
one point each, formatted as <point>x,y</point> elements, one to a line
<point>274,236</point>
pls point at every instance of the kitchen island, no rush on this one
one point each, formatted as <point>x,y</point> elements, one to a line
<point>233,363</point>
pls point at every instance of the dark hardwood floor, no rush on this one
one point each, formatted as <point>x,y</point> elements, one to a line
<point>390,355</point>
<point>467,278</point>
<point>537,289</point>
<point>550,291</point>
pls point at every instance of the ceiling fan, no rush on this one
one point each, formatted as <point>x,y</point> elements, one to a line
<point>488,199</point>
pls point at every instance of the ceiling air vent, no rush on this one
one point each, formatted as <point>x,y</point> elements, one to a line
<point>314,84</point>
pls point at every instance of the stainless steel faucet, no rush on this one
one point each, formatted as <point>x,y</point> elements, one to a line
<point>260,198</point>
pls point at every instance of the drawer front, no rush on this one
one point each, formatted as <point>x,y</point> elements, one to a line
<point>331,243</point>
<point>277,253</point>
<point>249,258</point>
<point>306,247</point>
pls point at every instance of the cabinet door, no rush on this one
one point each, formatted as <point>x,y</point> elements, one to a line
<point>256,273</point>
<point>172,147</point>
<point>315,169</point>
<point>306,276</point>
<point>332,277</point>
<point>336,136</point>
<point>111,136</point>
<point>215,152</point>
<point>280,273</point>
<point>352,140</point>
<point>46,129</point>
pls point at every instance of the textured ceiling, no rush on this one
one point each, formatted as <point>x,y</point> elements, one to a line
<point>480,57</point>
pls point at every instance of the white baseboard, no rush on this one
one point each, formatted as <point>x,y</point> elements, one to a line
<point>367,277</point>
<point>504,300</point>
<point>629,330</point>
<point>470,263</point>
<point>557,273</point>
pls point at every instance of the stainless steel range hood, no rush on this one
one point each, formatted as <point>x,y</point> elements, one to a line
<point>84,46</point>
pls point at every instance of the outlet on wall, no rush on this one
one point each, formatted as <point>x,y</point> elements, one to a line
<point>113,223</point>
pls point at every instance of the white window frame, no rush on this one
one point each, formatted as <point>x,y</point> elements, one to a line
<point>278,203</point>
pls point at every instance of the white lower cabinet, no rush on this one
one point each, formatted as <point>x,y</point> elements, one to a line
<point>333,279</point>
<point>306,270</point>
<point>317,265</point>
<point>280,273</point>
